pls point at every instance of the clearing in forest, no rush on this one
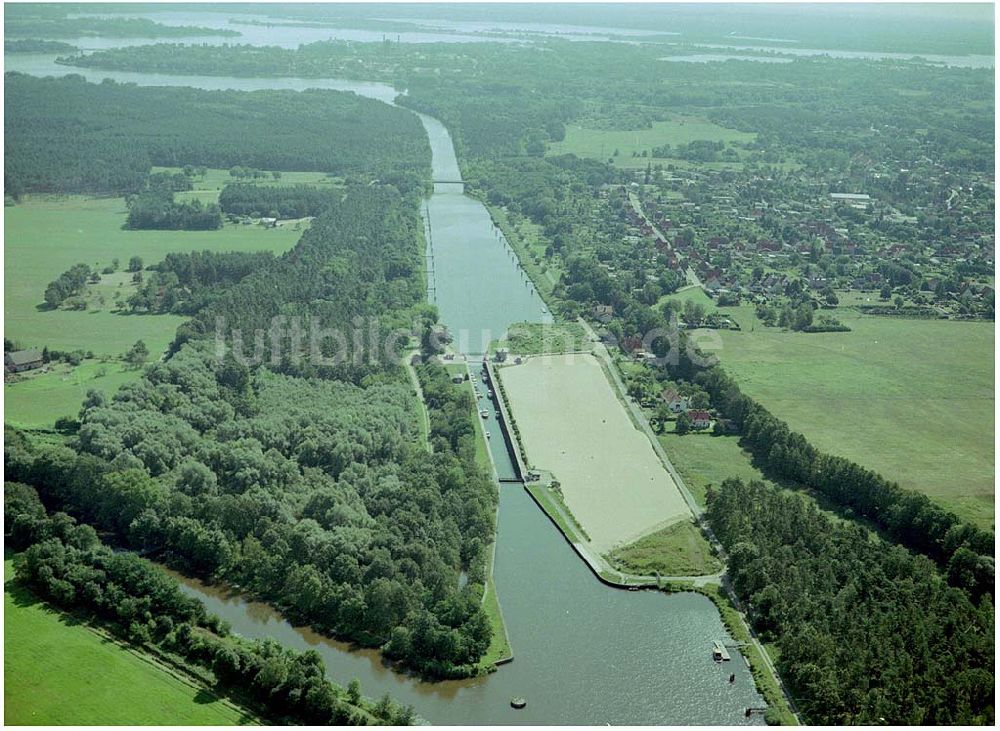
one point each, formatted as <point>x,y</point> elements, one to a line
<point>572,424</point>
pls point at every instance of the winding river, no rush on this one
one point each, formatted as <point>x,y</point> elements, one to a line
<point>583,653</point>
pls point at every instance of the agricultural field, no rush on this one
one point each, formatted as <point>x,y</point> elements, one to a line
<point>36,401</point>
<point>59,672</point>
<point>572,424</point>
<point>44,237</point>
<point>601,144</point>
<point>911,399</point>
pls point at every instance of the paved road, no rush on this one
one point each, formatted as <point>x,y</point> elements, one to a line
<point>692,277</point>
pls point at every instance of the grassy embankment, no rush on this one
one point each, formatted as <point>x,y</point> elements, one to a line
<point>527,243</point>
<point>679,549</point>
<point>535,338</point>
<point>44,237</point>
<point>59,671</point>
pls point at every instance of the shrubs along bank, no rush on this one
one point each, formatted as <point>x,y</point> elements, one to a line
<point>66,564</point>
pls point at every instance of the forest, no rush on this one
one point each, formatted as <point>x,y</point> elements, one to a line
<point>186,283</point>
<point>65,135</point>
<point>35,45</point>
<point>65,563</point>
<point>867,633</point>
<point>284,201</point>
<point>53,21</point>
<point>304,484</point>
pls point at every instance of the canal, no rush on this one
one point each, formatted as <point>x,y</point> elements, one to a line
<point>583,653</point>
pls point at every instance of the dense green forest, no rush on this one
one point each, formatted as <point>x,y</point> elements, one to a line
<point>69,136</point>
<point>866,632</point>
<point>305,484</point>
<point>184,284</point>
<point>65,563</point>
<point>284,201</point>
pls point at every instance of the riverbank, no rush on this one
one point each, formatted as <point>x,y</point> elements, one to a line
<point>49,662</point>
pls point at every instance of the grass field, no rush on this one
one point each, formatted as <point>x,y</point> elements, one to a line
<point>678,550</point>
<point>602,143</point>
<point>207,187</point>
<point>911,399</point>
<point>572,424</point>
<point>41,398</point>
<point>704,459</point>
<point>46,236</point>
<point>537,338</point>
<point>59,672</point>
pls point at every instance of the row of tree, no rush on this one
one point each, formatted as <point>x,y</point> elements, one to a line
<point>66,564</point>
<point>906,516</point>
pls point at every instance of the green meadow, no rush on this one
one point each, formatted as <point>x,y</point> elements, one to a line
<point>45,236</point>
<point>911,399</point>
<point>208,186</point>
<point>602,143</point>
<point>57,671</point>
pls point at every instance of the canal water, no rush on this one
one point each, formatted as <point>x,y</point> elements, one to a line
<point>583,653</point>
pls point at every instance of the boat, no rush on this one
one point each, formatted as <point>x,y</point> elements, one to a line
<point>518,702</point>
<point>484,413</point>
<point>719,652</point>
<point>488,435</point>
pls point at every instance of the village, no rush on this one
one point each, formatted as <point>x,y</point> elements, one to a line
<point>767,237</point>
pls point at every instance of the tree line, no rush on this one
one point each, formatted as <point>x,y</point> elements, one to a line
<point>66,564</point>
<point>866,632</point>
<point>909,517</point>
<point>155,208</point>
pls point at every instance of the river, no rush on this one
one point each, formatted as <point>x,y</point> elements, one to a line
<point>583,653</point>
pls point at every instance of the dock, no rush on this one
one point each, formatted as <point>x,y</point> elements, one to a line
<point>719,652</point>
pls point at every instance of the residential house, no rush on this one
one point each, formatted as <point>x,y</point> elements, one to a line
<point>674,401</point>
<point>700,419</point>
<point>604,313</point>
<point>16,361</point>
